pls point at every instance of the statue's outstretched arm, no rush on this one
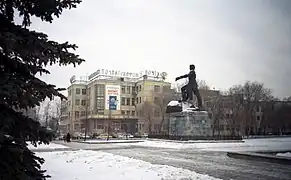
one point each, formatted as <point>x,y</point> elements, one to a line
<point>181,77</point>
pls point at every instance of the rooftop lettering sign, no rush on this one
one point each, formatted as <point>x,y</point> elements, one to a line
<point>117,73</point>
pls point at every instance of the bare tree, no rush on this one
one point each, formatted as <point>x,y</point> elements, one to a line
<point>47,113</point>
<point>287,98</point>
<point>58,113</point>
<point>147,112</point>
<point>202,84</point>
<point>165,97</point>
<point>35,113</point>
<point>216,112</point>
<point>253,94</point>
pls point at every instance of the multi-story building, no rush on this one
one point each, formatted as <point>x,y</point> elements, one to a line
<point>114,101</point>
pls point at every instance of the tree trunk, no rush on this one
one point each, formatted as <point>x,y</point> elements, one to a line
<point>161,124</point>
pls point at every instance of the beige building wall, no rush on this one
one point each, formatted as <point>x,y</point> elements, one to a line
<point>132,97</point>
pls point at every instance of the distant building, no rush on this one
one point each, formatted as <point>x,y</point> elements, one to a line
<point>273,117</point>
<point>114,101</point>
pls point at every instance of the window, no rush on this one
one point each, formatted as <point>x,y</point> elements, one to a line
<point>157,88</point>
<point>123,112</point>
<point>83,102</point>
<point>123,89</point>
<point>128,89</point>
<point>101,112</point>
<point>166,88</point>
<point>83,113</point>
<point>157,100</point>
<point>77,102</point>
<point>133,113</point>
<point>69,103</point>
<point>100,126</point>
<point>132,101</point>
<point>76,126</point>
<point>89,91</point>
<point>78,91</point>
<point>83,91</point>
<point>128,101</point>
<point>258,118</point>
<point>157,113</point>
<point>100,104</point>
<point>77,113</point>
<point>139,87</point>
<point>128,113</point>
<point>139,99</point>
<point>100,89</point>
<point>70,92</point>
<point>133,89</point>
<point>123,101</point>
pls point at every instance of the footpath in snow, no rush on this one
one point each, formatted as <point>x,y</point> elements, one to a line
<point>91,165</point>
<point>51,146</point>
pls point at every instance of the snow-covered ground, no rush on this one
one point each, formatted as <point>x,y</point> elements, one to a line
<point>287,154</point>
<point>91,165</point>
<point>44,146</point>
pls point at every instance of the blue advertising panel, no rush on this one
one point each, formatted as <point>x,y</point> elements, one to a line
<point>112,102</point>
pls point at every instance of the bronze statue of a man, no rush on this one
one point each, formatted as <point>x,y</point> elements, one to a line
<point>191,87</point>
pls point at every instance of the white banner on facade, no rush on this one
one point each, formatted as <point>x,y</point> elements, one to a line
<point>112,97</point>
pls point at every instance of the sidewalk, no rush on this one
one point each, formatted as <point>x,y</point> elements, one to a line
<point>260,157</point>
<point>110,141</point>
<point>197,141</point>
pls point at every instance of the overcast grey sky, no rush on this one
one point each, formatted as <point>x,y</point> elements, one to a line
<point>228,41</point>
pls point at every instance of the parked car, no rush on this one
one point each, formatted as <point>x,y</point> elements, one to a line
<point>145,135</point>
<point>129,135</point>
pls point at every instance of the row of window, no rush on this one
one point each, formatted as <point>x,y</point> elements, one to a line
<point>124,89</point>
<point>78,113</point>
<point>124,102</point>
<point>128,113</point>
<point>78,91</point>
<point>130,89</point>
<point>78,102</point>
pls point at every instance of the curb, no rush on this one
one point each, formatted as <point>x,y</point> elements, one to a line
<point>54,150</point>
<point>199,141</point>
<point>260,157</point>
<point>109,142</point>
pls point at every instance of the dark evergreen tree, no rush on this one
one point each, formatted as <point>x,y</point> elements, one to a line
<point>23,55</point>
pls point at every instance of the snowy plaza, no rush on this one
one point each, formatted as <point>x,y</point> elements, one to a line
<point>161,160</point>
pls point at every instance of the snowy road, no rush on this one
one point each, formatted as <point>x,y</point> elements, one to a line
<point>213,163</point>
<point>205,158</point>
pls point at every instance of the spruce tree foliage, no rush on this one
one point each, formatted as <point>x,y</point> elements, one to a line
<point>23,55</point>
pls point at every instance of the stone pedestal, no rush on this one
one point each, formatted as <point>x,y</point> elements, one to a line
<point>188,122</point>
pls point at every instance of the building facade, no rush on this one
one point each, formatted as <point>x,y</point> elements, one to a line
<point>114,102</point>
